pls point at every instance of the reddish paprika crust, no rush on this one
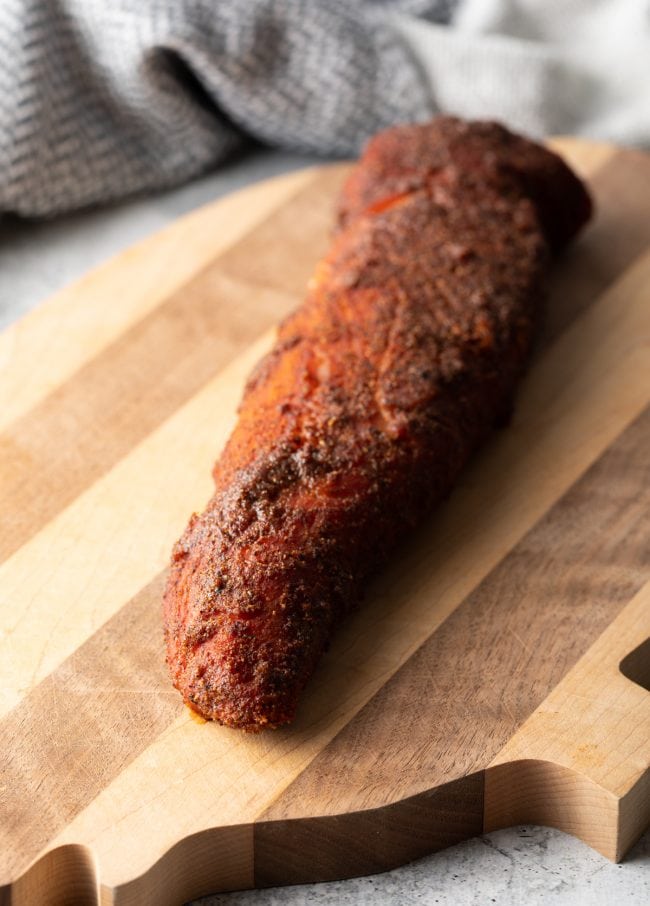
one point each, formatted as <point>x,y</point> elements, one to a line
<point>401,360</point>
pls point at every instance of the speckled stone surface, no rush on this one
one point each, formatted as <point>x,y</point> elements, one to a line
<point>531,866</point>
<point>522,866</point>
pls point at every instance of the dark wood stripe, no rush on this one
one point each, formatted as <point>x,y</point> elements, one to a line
<point>455,703</point>
<point>483,672</point>
<point>77,433</point>
<point>85,722</point>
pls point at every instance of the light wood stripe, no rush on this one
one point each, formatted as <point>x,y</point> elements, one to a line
<point>591,157</point>
<point>74,435</point>
<point>618,236</point>
<point>577,780</point>
<point>45,348</point>
<point>106,703</point>
<point>582,705</point>
<point>112,540</point>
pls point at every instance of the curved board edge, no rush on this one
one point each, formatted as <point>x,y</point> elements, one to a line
<point>66,874</point>
<point>335,847</point>
<point>533,791</point>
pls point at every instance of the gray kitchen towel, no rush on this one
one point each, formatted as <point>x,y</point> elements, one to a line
<point>546,67</point>
<point>103,98</point>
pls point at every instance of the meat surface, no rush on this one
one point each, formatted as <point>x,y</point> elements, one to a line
<point>399,363</point>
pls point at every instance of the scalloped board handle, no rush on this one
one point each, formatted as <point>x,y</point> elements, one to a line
<point>581,762</point>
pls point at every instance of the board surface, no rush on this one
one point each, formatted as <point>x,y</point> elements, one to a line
<point>496,672</point>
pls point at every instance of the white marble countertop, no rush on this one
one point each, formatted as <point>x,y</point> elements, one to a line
<point>517,866</point>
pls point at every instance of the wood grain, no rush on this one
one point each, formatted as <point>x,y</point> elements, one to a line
<point>480,683</point>
<point>582,761</point>
<point>125,391</point>
<point>523,627</point>
<point>45,348</point>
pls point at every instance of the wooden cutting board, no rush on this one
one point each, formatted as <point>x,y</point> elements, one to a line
<point>496,673</point>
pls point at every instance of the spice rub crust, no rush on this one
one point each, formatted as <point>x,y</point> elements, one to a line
<point>401,360</point>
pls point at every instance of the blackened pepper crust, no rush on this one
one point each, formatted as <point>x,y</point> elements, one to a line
<point>401,360</point>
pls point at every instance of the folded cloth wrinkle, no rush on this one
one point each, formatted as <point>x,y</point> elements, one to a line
<point>100,99</point>
<point>591,57</point>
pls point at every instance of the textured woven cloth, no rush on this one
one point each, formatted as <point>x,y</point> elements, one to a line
<point>100,99</point>
<point>103,98</point>
<point>545,67</point>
